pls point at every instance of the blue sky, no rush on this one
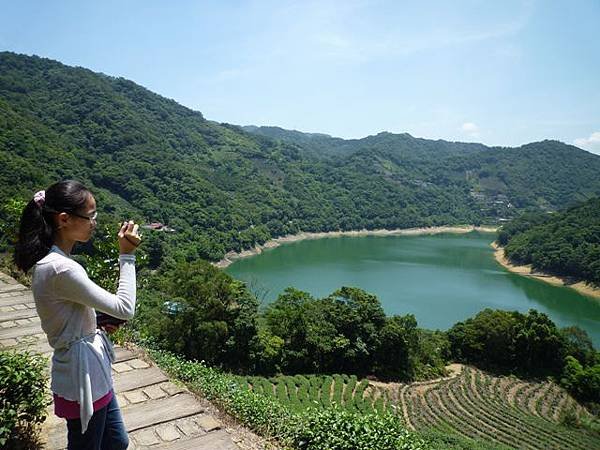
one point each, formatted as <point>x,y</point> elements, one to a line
<point>497,72</point>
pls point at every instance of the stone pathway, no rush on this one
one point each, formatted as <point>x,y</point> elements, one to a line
<point>158,413</point>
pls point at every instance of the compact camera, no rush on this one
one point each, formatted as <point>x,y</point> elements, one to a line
<point>103,319</point>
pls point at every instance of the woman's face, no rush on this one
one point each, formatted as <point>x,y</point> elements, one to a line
<point>79,226</point>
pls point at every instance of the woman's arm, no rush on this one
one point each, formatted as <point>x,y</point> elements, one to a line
<point>73,284</point>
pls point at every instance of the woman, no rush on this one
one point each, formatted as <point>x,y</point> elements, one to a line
<point>66,300</point>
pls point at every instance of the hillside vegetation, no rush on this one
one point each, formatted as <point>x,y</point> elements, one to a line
<point>222,188</point>
<point>566,243</point>
<point>506,411</point>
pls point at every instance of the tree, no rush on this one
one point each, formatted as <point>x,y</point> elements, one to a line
<point>287,318</point>
<point>154,246</point>
<point>583,383</point>
<point>357,316</point>
<point>396,355</point>
<point>200,311</point>
<point>579,345</point>
<point>486,339</point>
<point>538,344</point>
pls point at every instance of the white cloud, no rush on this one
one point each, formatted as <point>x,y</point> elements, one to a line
<point>470,129</point>
<point>591,144</point>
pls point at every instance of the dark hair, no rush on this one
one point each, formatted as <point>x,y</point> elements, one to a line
<point>37,228</point>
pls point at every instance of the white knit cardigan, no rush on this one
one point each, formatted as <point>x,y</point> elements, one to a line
<point>65,299</point>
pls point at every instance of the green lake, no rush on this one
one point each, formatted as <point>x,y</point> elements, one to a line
<point>441,279</point>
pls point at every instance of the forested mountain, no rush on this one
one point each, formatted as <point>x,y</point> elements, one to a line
<point>566,243</point>
<point>222,188</point>
<point>547,175</point>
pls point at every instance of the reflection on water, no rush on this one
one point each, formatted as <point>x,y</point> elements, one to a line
<point>441,279</point>
<point>566,304</point>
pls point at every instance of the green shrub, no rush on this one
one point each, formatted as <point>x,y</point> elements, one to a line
<point>303,398</point>
<point>338,386</point>
<point>313,393</point>
<point>267,387</point>
<point>340,429</point>
<point>359,402</point>
<point>349,391</point>
<point>379,404</point>
<point>252,381</point>
<point>23,399</point>
<point>281,389</point>
<point>290,383</point>
<point>326,391</point>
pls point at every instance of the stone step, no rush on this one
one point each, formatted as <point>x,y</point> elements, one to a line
<point>41,346</point>
<point>14,314</point>
<point>9,298</point>
<point>19,322</point>
<point>217,440</point>
<point>8,304</point>
<point>22,343</point>
<point>56,435</point>
<point>6,279</point>
<point>154,412</point>
<point>134,379</point>
<point>177,421</point>
<point>152,392</point>
<point>124,354</point>
<point>13,288</point>
<point>8,333</point>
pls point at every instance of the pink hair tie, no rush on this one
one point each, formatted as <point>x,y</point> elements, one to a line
<point>39,198</point>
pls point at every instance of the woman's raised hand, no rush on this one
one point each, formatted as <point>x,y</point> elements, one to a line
<point>129,238</point>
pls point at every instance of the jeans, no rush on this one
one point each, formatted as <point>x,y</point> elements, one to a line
<point>105,431</point>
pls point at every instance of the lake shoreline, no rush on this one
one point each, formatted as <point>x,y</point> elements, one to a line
<point>231,257</point>
<point>526,270</point>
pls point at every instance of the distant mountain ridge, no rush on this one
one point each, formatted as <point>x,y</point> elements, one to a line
<point>327,144</point>
<point>511,173</point>
<point>318,144</point>
<point>225,187</point>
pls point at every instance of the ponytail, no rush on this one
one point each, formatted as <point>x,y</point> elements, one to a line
<point>37,228</point>
<point>36,234</point>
